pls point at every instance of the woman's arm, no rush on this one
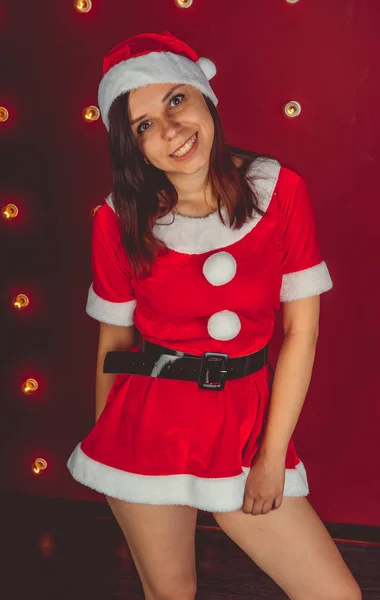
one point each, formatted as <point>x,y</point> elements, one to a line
<point>111,337</point>
<point>292,375</point>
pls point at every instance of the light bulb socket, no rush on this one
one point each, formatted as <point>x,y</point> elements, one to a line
<point>183,3</point>
<point>292,109</point>
<point>82,6</point>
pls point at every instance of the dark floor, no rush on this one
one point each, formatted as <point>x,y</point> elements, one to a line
<point>56,549</point>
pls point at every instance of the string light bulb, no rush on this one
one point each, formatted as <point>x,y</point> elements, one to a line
<point>292,109</point>
<point>29,386</point>
<point>4,114</point>
<point>183,3</point>
<point>39,465</point>
<point>292,1</point>
<point>10,211</point>
<point>20,302</point>
<point>47,545</point>
<point>83,6</point>
<point>91,113</point>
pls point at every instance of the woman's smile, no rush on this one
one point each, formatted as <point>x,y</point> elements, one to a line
<point>187,150</point>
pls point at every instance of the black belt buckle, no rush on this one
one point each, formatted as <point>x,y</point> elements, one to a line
<point>213,371</point>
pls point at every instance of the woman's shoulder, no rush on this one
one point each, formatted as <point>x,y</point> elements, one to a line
<point>289,177</point>
<point>268,166</point>
<point>105,220</point>
<point>259,166</point>
<point>266,171</point>
<point>106,212</point>
<point>262,174</point>
<point>290,185</point>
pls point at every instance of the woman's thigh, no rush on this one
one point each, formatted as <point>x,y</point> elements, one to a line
<point>293,546</point>
<point>161,540</point>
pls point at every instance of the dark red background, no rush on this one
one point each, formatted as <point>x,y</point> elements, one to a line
<point>55,167</point>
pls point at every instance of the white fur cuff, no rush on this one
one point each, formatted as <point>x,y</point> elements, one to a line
<point>306,283</point>
<point>113,313</point>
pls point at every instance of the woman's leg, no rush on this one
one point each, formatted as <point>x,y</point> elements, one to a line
<point>161,540</point>
<point>292,545</point>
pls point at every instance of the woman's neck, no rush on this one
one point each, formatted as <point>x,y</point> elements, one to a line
<point>195,198</point>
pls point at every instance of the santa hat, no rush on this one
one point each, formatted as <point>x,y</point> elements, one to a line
<point>152,58</point>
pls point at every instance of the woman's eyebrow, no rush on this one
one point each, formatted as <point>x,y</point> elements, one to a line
<point>163,100</point>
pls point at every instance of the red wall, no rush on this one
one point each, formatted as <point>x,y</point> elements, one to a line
<point>322,54</point>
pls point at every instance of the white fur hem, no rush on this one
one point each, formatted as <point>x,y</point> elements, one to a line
<point>113,313</point>
<point>306,283</point>
<point>223,494</point>
<point>189,235</point>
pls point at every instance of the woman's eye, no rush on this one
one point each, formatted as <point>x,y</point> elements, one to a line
<point>140,127</point>
<point>177,96</point>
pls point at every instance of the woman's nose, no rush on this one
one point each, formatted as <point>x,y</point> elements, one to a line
<point>170,129</point>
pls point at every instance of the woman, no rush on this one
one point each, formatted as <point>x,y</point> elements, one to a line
<point>193,252</point>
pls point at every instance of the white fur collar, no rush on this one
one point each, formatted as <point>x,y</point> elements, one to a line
<point>196,235</point>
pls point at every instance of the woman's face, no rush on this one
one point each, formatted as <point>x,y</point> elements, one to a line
<point>168,117</point>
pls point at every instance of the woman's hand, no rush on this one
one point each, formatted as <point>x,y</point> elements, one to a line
<point>264,487</point>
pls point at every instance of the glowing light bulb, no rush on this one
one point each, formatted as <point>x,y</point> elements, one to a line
<point>29,386</point>
<point>4,114</point>
<point>47,545</point>
<point>292,1</point>
<point>94,210</point>
<point>10,211</point>
<point>183,3</point>
<point>83,6</point>
<point>292,109</point>
<point>20,301</point>
<point>39,465</point>
<point>91,113</point>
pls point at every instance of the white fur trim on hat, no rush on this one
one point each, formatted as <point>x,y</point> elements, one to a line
<point>155,67</point>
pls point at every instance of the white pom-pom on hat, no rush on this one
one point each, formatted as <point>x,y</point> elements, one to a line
<point>224,325</point>
<point>207,66</point>
<point>219,268</point>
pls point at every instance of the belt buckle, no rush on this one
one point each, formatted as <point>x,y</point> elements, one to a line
<point>213,360</point>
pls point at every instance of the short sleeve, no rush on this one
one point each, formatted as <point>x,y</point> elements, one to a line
<point>110,297</point>
<point>304,272</point>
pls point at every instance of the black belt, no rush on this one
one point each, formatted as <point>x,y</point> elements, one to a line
<point>211,370</point>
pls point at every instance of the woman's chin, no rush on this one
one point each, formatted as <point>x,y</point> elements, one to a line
<point>192,166</point>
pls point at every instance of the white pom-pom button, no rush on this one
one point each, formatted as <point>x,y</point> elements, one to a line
<point>219,268</point>
<point>223,325</point>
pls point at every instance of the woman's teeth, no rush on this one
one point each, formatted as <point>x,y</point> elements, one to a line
<point>186,147</point>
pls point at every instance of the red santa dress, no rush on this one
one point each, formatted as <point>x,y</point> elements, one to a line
<point>161,441</point>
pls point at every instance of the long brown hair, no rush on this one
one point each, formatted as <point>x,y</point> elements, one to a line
<point>141,193</point>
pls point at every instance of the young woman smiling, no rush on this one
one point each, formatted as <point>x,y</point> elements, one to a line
<point>195,250</point>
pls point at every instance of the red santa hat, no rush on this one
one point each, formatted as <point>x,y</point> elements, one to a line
<point>152,58</point>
